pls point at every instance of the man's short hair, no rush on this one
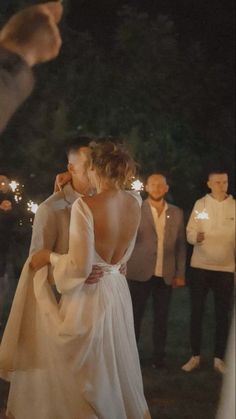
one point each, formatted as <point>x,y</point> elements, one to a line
<point>219,171</point>
<point>156,173</point>
<point>76,143</point>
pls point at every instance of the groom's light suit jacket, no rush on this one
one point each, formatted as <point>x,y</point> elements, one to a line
<point>141,265</point>
<point>52,220</point>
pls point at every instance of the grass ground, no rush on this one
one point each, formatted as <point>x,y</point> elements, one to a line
<point>173,394</point>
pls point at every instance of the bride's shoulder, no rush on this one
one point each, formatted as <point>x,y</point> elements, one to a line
<point>89,201</point>
<point>82,203</point>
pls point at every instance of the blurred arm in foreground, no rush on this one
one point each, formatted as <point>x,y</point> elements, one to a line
<point>28,38</point>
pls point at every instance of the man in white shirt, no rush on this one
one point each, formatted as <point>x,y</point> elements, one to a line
<point>157,263</point>
<point>211,231</point>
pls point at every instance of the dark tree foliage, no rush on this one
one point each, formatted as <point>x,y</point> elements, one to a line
<point>169,101</point>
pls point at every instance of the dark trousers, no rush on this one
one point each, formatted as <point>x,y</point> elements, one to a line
<point>161,294</point>
<point>222,285</point>
<point>3,261</point>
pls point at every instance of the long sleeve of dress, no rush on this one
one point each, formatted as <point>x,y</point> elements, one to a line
<point>44,232</point>
<point>16,84</point>
<point>73,268</point>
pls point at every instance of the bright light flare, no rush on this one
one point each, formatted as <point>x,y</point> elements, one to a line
<point>14,185</point>
<point>137,185</point>
<point>32,207</point>
<point>201,215</point>
<point>18,198</point>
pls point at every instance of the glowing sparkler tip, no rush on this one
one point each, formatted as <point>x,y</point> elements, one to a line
<point>137,185</point>
<point>201,215</point>
<point>32,206</point>
<point>14,185</point>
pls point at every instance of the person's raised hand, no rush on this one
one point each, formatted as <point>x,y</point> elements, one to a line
<point>33,32</point>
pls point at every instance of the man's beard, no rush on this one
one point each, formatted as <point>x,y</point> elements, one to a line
<point>156,199</point>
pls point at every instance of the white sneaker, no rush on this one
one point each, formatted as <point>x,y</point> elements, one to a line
<point>192,364</point>
<point>219,366</point>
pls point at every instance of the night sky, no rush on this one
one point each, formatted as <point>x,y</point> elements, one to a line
<point>210,22</point>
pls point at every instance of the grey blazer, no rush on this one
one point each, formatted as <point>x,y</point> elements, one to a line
<point>52,220</point>
<point>141,265</point>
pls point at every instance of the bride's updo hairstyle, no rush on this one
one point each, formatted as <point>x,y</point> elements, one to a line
<point>113,161</point>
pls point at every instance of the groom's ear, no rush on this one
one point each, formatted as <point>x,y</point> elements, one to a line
<point>70,168</point>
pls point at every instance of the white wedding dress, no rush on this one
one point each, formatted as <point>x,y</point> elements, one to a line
<point>78,359</point>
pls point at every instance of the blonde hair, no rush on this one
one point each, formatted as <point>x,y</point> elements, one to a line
<point>113,162</point>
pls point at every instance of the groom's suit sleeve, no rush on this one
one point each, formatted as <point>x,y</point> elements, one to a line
<point>16,84</point>
<point>44,232</point>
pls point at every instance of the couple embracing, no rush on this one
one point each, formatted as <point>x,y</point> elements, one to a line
<point>78,359</point>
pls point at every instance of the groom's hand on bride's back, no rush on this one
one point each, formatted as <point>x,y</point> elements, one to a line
<point>95,275</point>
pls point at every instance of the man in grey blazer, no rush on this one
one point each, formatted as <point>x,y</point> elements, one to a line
<point>157,263</point>
<point>52,219</point>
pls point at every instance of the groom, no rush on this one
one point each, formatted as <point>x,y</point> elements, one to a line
<point>52,219</point>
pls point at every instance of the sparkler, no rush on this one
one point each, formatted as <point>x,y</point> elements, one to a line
<point>137,185</point>
<point>201,215</point>
<point>14,185</point>
<point>17,190</point>
<point>32,206</point>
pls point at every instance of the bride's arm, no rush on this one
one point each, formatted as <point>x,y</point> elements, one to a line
<point>74,267</point>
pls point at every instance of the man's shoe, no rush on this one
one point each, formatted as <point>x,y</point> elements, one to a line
<point>219,366</point>
<point>192,364</point>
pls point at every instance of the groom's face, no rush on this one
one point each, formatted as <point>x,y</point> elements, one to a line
<point>78,167</point>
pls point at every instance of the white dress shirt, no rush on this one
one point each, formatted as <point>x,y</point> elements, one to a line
<point>159,222</point>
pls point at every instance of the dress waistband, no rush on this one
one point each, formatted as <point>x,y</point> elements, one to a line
<point>106,268</point>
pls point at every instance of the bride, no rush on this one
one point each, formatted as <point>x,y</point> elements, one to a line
<point>79,360</point>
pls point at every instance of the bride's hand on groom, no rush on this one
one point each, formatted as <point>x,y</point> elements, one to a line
<point>61,180</point>
<point>40,259</point>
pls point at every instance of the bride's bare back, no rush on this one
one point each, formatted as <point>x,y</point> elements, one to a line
<point>116,217</point>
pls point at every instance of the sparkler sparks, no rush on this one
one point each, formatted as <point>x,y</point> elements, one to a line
<point>14,185</point>
<point>32,206</point>
<point>201,215</point>
<point>137,185</point>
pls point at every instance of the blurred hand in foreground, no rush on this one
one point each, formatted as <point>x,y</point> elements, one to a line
<point>33,33</point>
